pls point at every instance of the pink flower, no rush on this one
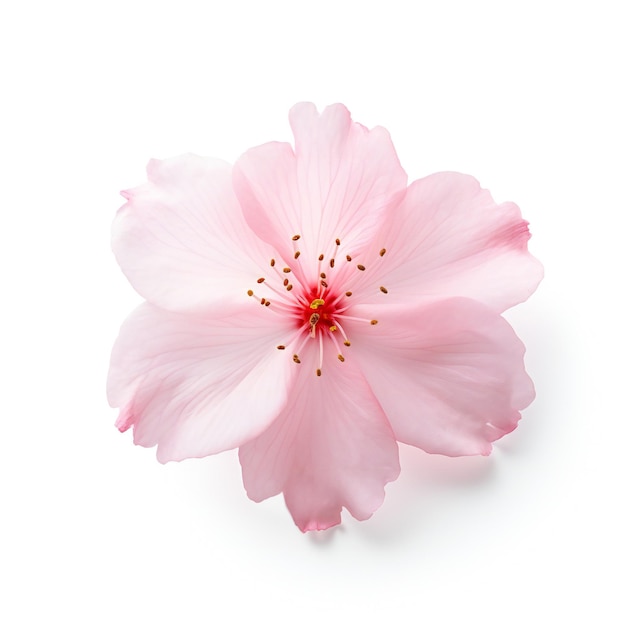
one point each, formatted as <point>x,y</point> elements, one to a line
<point>310,309</point>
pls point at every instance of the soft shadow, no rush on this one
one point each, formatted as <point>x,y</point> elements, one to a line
<point>322,539</point>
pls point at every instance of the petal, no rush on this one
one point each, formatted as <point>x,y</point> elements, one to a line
<point>195,386</point>
<point>181,238</point>
<point>337,183</point>
<point>449,375</point>
<point>330,447</point>
<point>449,238</point>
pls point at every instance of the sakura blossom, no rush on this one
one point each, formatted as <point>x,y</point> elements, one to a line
<point>310,308</point>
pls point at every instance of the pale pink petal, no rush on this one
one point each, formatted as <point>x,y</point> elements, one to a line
<point>181,238</point>
<point>336,185</point>
<point>195,386</point>
<point>450,238</point>
<point>331,447</point>
<point>449,375</point>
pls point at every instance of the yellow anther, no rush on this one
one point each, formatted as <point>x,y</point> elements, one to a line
<point>332,328</point>
<point>250,292</point>
<point>317,303</point>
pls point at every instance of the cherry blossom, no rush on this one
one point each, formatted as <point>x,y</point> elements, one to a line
<point>309,308</point>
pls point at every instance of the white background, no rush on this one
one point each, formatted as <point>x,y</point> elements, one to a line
<point>527,96</point>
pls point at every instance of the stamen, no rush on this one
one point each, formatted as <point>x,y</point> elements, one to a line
<point>338,241</point>
<point>296,254</point>
<point>267,303</point>
<point>323,283</point>
<point>382,252</point>
<point>323,275</point>
<point>318,302</point>
<point>373,322</point>
<point>285,282</point>
<point>289,287</point>
<point>343,334</point>
<point>296,359</point>
<point>262,300</point>
<point>341,357</point>
<point>272,262</point>
<point>286,270</point>
<point>318,372</point>
<point>250,292</point>
<point>348,258</point>
<point>361,267</point>
<point>295,238</point>
<point>321,257</point>
<point>332,328</point>
<point>348,293</point>
<point>281,347</point>
<point>332,262</point>
<point>260,280</point>
<point>383,289</point>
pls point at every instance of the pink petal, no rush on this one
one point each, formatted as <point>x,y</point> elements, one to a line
<point>181,238</point>
<point>450,375</point>
<point>336,184</point>
<point>449,238</point>
<point>330,447</point>
<point>196,386</point>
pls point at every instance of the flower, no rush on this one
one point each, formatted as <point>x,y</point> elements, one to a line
<point>309,308</point>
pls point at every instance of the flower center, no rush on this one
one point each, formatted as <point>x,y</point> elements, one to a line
<point>313,308</point>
